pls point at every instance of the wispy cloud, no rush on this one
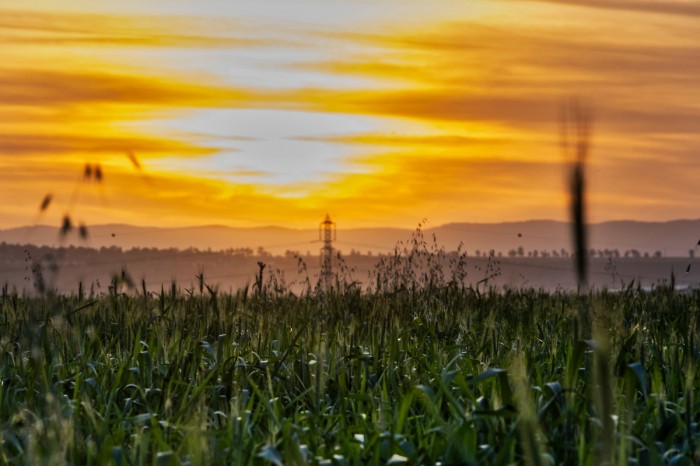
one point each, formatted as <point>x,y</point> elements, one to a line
<point>666,7</point>
<point>518,75</point>
<point>408,140</point>
<point>22,27</point>
<point>26,87</point>
<point>61,144</point>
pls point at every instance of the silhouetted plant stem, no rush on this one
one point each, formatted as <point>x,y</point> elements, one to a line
<point>575,125</point>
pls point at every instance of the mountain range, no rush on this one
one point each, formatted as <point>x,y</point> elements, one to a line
<point>669,239</point>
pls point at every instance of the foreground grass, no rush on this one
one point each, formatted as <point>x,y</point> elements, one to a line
<point>447,376</point>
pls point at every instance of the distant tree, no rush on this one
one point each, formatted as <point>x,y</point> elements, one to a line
<point>691,253</point>
<point>657,254</point>
<point>521,251</point>
<point>513,253</point>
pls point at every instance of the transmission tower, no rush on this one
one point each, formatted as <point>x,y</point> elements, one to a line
<point>327,234</point>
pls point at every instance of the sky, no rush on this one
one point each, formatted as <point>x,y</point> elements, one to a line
<point>379,113</point>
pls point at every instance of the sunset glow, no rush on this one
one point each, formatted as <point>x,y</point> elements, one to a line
<point>379,113</point>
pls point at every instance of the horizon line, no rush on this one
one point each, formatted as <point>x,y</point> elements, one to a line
<point>422,226</point>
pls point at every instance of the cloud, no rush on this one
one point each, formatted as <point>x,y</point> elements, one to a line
<point>535,110</point>
<point>404,187</point>
<point>56,87</point>
<point>518,75</point>
<point>475,56</point>
<point>666,7</point>
<point>61,144</point>
<point>407,140</point>
<point>510,80</point>
<point>399,187</point>
<point>22,27</point>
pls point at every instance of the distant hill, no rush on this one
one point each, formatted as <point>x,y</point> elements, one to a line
<point>671,239</point>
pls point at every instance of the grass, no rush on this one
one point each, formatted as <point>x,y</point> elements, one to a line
<point>420,375</point>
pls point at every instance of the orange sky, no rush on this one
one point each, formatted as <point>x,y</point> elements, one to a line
<point>379,113</point>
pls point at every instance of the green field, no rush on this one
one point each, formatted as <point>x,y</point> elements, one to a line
<point>423,374</point>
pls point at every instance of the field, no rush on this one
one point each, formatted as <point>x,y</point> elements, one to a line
<point>430,373</point>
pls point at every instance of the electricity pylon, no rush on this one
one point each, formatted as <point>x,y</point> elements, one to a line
<point>327,234</point>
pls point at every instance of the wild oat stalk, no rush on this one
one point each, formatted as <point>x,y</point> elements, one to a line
<point>575,133</point>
